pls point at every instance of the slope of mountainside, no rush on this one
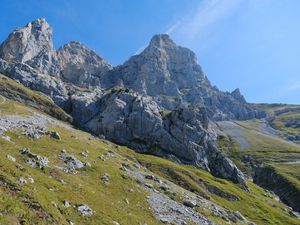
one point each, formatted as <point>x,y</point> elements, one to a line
<point>12,90</point>
<point>75,178</point>
<point>285,119</point>
<point>270,160</point>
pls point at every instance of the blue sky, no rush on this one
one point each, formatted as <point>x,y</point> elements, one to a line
<point>250,44</point>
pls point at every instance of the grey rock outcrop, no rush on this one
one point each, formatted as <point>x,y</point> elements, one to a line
<point>161,69</point>
<point>34,160</point>
<point>32,45</point>
<point>172,76</point>
<point>182,135</point>
<point>72,161</point>
<point>85,210</point>
<point>84,105</point>
<point>82,66</point>
<point>33,79</point>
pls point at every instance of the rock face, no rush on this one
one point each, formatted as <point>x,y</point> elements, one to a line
<point>32,45</point>
<point>161,69</point>
<point>182,135</point>
<point>268,178</point>
<point>173,77</point>
<point>82,66</point>
<point>29,77</point>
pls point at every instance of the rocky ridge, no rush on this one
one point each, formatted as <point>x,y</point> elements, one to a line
<point>158,102</point>
<point>81,66</point>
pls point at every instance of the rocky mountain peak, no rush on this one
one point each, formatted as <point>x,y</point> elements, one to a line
<point>162,69</point>
<point>162,40</point>
<point>40,24</point>
<point>81,65</point>
<point>238,96</point>
<point>32,45</point>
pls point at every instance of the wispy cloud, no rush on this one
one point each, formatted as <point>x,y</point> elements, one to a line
<point>173,27</point>
<point>204,18</point>
<point>200,22</point>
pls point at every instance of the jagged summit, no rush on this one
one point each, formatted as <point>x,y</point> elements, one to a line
<point>238,96</point>
<point>162,69</point>
<point>166,47</point>
<point>39,23</point>
<point>171,74</point>
<point>162,40</point>
<point>81,65</point>
<point>32,45</point>
<point>165,71</point>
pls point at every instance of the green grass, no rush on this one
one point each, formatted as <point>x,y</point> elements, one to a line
<point>254,205</point>
<point>108,200</point>
<point>84,188</point>
<point>13,90</point>
<point>8,107</point>
<point>271,108</point>
<point>165,112</point>
<point>32,203</point>
<point>279,121</point>
<point>263,149</point>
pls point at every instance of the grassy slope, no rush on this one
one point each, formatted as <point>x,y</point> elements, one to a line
<point>13,90</point>
<point>107,200</point>
<point>279,121</point>
<point>254,205</point>
<point>273,153</point>
<point>84,188</point>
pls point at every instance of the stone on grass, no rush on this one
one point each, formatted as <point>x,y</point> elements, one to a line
<point>66,204</point>
<point>190,203</point>
<point>30,180</point>
<point>11,158</point>
<point>126,200</point>
<point>22,180</point>
<point>105,178</point>
<point>148,185</point>
<point>54,135</point>
<point>83,154</point>
<point>85,210</point>
<point>34,160</point>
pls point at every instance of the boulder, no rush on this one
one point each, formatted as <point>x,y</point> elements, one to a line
<point>54,135</point>
<point>190,203</point>
<point>11,158</point>
<point>85,210</point>
<point>72,161</point>
<point>34,160</point>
